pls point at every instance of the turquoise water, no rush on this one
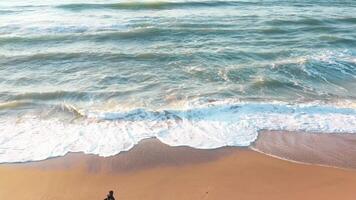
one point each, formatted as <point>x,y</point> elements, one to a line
<point>99,76</point>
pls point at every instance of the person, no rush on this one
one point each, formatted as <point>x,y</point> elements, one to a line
<point>110,196</point>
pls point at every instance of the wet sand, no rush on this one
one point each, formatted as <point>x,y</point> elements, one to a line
<point>337,150</point>
<point>152,170</point>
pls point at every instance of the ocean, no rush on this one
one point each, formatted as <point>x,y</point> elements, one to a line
<point>99,76</point>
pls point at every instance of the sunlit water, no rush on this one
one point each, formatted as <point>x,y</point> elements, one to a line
<point>99,76</point>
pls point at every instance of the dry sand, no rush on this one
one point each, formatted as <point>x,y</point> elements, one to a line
<point>152,170</point>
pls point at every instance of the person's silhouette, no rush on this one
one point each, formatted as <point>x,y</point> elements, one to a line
<point>110,196</point>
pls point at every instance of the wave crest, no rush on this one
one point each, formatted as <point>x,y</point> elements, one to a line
<point>154,5</point>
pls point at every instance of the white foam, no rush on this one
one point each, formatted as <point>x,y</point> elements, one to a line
<point>206,126</point>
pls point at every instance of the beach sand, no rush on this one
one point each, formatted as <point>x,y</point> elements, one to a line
<point>152,170</point>
<point>338,150</point>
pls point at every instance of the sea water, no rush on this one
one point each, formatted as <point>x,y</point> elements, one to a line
<point>98,76</point>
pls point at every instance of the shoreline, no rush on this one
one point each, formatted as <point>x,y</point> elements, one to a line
<point>335,150</point>
<point>308,148</point>
<point>153,170</point>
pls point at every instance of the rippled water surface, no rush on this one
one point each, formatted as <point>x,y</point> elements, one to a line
<point>99,76</point>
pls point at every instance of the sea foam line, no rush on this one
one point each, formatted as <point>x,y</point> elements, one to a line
<point>30,138</point>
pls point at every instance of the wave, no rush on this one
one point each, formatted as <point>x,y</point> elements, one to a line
<point>5,12</point>
<point>162,5</point>
<point>87,57</point>
<point>10,105</point>
<point>143,32</point>
<point>60,96</point>
<point>205,126</point>
<point>45,110</point>
<point>153,5</point>
<point>55,95</point>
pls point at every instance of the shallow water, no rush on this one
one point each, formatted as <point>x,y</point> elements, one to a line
<point>99,76</point>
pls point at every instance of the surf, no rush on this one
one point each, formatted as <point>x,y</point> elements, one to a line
<point>205,127</point>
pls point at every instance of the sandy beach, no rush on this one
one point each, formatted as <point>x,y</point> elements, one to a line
<point>178,99</point>
<point>152,170</point>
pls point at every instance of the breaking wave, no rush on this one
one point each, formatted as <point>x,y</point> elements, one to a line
<point>208,126</point>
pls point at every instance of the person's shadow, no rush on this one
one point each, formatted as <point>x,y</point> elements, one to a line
<point>110,196</point>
